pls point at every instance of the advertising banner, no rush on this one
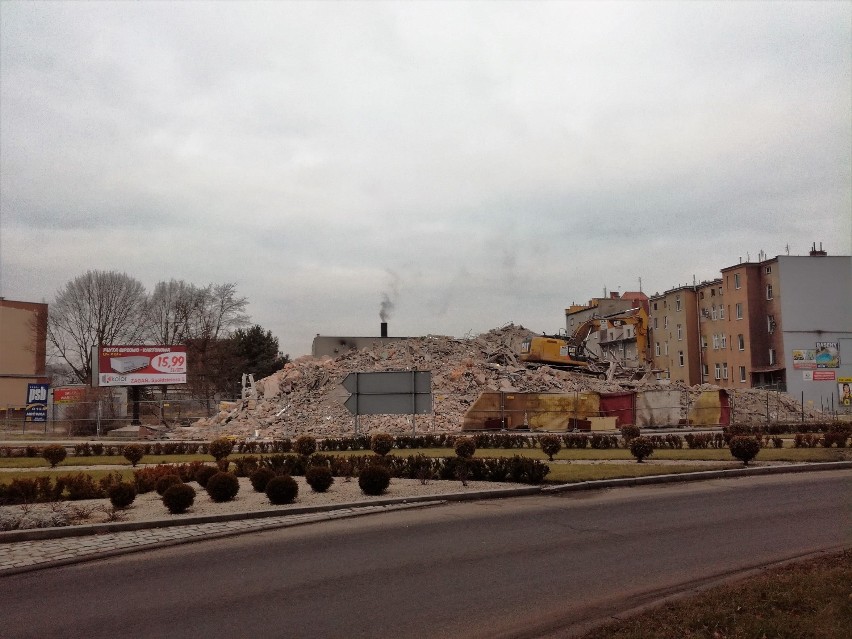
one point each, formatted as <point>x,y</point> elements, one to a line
<point>827,355</point>
<point>824,376</point>
<point>37,402</point>
<point>69,395</point>
<point>844,391</point>
<point>141,365</point>
<point>804,358</point>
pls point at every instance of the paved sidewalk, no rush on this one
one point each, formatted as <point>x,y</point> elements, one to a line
<point>25,556</point>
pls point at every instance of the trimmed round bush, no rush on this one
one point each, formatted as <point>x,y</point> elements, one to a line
<point>204,473</point>
<point>319,478</point>
<point>260,478</point>
<point>465,447</point>
<point>282,490</point>
<point>744,448</point>
<point>178,498</point>
<point>122,494</point>
<point>381,443</point>
<point>222,487</point>
<point>133,453</point>
<point>374,479</point>
<point>641,447</point>
<point>54,454</point>
<point>165,481</point>
<point>630,432</point>
<point>305,445</point>
<point>220,448</point>
<point>550,445</point>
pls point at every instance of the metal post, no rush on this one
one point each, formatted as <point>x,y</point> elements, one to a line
<point>767,407</point>
<point>413,407</point>
<point>803,407</point>
<point>688,404</point>
<point>98,419</point>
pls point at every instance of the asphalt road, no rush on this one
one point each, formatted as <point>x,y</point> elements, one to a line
<point>525,567</point>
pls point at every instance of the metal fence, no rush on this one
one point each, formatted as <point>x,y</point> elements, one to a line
<point>104,415</point>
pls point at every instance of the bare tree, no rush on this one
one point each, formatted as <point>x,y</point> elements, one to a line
<point>100,307</point>
<point>217,313</point>
<point>170,309</point>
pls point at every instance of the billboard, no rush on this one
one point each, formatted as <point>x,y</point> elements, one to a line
<point>139,365</point>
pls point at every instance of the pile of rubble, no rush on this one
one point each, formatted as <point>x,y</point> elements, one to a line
<point>306,396</point>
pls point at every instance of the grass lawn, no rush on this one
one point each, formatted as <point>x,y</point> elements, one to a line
<point>808,600</point>
<point>7,477</point>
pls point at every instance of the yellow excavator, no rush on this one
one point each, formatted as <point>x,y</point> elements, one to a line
<point>569,352</point>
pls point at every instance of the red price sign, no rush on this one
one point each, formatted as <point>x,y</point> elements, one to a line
<point>169,363</point>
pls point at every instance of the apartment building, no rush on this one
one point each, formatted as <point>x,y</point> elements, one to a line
<point>674,335</point>
<point>783,323</point>
<point>614,339</point>
<point>23,339</point>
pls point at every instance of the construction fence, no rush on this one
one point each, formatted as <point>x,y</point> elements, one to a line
<point>591,411</point>
<point>107,415</point>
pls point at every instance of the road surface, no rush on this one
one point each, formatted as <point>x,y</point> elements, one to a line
<point>525,567</point>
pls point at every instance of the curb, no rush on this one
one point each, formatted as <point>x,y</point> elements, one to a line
<point>698,476</point>
<point>105,554</point>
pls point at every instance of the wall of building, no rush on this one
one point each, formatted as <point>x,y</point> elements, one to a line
<point>23,340</point>
<point>674,314</point>
<point>816,298</point>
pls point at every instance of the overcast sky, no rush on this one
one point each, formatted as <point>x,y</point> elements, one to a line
<point>477,163</point>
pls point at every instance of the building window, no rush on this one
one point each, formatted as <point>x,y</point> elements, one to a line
<point>712,292</point>
<point>715,342</point>
<point>703,341</point>
<point>770,324</point>
<point>679,332</point>
<point>718,371</point>
<point>721,312</point>
<point>736,280</point>
<point>739,308</point>
<point>741,342</point>
<point>772,357</point>
<point>655,322</point>
<point>720,291</point>
<point>705,371</point>
<point>701,295</point>
<point>657,349</point>
<point>666,321</point>
<point>742,374</point>
<point>680,358</point>
<point>655,306</point>
<point>723,341</point>
<point>713,312</point>
<point>768,270</point>
<point>677,302</point>
<point>769,291</point>
<point>724,370</point>
<point>665,348</point>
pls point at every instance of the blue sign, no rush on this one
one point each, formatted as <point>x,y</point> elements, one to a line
<point>37,402</point>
